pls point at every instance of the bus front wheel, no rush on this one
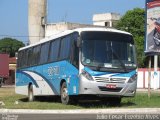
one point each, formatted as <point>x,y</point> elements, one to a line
<point>65,98</point>
<point>30,93</point>
<point>115,101</point>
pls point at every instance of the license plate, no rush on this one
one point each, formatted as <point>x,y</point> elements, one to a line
<point>111,86</point>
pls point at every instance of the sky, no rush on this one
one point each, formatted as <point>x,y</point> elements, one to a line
<point>14,13</point>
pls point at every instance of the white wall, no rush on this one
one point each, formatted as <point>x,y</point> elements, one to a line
<point>143,79</point>
<point>54,28</point>
<point>101,19</point>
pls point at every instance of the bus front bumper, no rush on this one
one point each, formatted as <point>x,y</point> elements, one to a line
<point>88,87</point>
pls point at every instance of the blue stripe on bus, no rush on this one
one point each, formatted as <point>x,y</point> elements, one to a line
<point>49,83</point>
<point>97,73</point>
<point>32,79</point>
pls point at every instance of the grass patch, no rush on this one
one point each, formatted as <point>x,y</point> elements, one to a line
<point>8,96</point>
<point>6,92</point>
<point>141,100</point>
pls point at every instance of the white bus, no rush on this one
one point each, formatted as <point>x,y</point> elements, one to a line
<point>84,61</point>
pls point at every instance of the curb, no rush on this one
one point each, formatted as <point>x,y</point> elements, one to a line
<point>84,111</point>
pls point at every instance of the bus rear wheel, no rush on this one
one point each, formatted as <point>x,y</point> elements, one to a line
<point>30,94</point>
<point>0,84</point>
<point>65,98</point>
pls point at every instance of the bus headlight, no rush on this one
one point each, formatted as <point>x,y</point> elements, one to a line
<point>87,75</point>
<point>133,78</point>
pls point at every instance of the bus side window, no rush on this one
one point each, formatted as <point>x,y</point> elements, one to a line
<point>65,48</point>
<point>35,55</point>
<point>25,57</point>
<point>54,50</point>
<point>75,51</point>
<point>30,50</point>
<point>44,53</point>
<point>20,55</point>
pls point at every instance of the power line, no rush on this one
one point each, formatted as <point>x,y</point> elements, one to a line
<point>18,36</point>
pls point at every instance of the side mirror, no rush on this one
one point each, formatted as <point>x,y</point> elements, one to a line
<point>78,42</point>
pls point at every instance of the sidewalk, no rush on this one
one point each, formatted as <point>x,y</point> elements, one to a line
<point>83,114</point>
<point>85,111</point>
<point>8,86</point>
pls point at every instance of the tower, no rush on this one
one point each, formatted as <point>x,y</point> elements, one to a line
<point>36,20</point>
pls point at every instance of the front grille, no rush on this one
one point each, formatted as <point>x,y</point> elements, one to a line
<point>102,79</point>
<point>118,89</point>
<point>110,80</point>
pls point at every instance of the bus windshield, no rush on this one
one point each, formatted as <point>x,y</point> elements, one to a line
<point>108,51</point>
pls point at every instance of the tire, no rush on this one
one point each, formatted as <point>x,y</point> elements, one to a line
<point>30,94</point>
<point>65,98</point>
<point>116,101</point>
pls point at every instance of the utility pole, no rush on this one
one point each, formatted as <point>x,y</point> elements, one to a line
<point>155,71</point>
<point>149,78</point>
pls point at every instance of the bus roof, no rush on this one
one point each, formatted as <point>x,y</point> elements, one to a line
<point>100,29</point>
<point>66,32</point>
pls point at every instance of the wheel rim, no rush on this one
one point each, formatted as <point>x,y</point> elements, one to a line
<point>64,93</point>
<point>30,95</point>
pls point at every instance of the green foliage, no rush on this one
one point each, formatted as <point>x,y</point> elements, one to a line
<point>10,46</point>
<point>133,21</point>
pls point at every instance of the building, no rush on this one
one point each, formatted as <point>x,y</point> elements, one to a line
<point>38,28</point>
<point>99,20</point>
<point>54,28</point>
<point>7,69</point>
<point>106,19</point>
<point>12,68</point>
<point>4,67</point>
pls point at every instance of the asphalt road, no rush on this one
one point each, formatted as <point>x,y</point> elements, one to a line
<point>50,117</point>
<point>82,117</point>
<point>85,114</point>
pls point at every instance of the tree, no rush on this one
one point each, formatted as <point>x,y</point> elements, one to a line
<point>10,46</point>
<point>133,21</point>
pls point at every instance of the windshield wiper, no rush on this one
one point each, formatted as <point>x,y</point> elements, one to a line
<point>120,61</point>
<point>99,67</point>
